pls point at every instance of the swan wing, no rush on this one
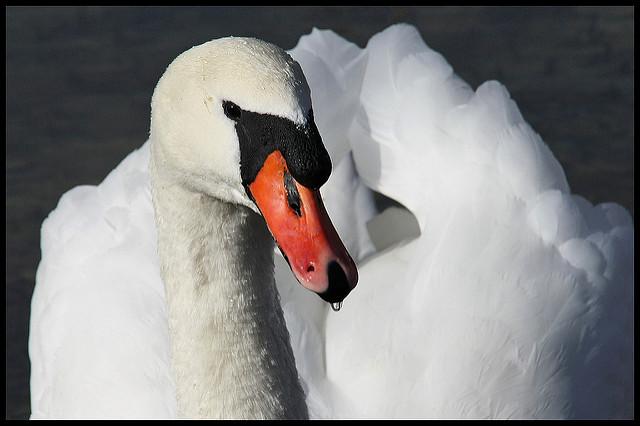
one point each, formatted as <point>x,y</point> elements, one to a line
<point>516,300</point>
<point>98,315</point>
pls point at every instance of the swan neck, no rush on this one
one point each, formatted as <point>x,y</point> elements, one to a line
<point>231,351</point>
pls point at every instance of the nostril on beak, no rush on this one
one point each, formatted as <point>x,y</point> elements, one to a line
<point>311,268</point>
<point>293,196</point>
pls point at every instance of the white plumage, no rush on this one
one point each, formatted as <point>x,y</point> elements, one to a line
<point>516,301</point>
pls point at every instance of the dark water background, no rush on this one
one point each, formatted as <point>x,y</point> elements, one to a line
<point>79,82</point>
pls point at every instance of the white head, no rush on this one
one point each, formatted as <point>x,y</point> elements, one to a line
<point>191,134</point>
<point>232,119</point>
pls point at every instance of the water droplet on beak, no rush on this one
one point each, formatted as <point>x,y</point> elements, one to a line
<point>336,306</point>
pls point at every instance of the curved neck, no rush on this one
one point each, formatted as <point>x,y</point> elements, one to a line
<point>231,352</point>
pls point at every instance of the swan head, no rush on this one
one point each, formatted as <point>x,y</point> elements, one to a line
<point>232,119</point>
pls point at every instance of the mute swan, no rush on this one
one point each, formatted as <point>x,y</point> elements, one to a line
<point>514,302</point>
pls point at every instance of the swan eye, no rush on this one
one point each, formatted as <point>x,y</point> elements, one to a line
<point>231,110</point>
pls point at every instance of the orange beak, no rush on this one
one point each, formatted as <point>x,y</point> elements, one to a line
<point>299,223</point>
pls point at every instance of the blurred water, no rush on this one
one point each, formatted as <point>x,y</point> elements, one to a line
<point>79,82</point>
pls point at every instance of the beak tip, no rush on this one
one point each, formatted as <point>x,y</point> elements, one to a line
<point>339,284</point>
